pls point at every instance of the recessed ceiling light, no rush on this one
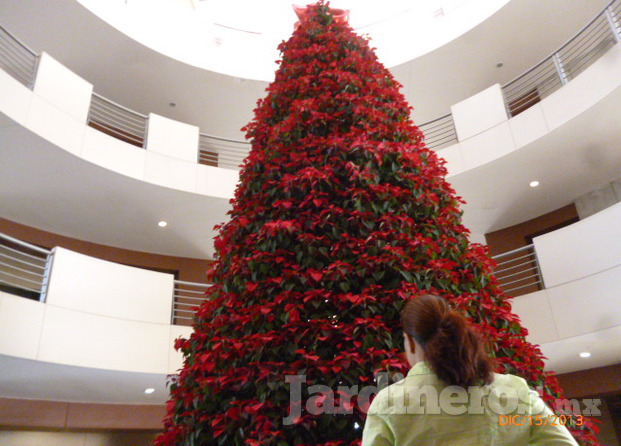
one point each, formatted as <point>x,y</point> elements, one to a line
<point>162,224</point>
<point>534,183</point>
<point>149,391</point>
<point>585,355</point>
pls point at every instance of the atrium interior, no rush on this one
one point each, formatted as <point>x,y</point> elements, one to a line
<point>120,147</point>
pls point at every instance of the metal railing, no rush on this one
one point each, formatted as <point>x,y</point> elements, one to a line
<point>221,152</point>
<point>23,268</point>
<point>440,132</point>
<point>117,121</point>
<point>572,58</point>
<point>187,296</point>
<point>17,59</point>
<point>518,271</point>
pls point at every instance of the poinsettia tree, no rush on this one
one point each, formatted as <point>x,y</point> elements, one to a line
<point>341,213</point>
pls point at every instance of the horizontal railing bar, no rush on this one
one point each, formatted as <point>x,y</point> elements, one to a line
<point>193,283</point>
<point>20,278</point>
<point>522,286</point>
<point>186,290</point>
<point>515,259</point>
<point>515,266</point>
<point>26,244</point>
<point>20,286</point>
<point>106,100</point>
<point>520,281</point>
<point>586,47</point>
<point>23,254</point>
<point>23,57</point>
<point>532,82</point>
<point>504,254</point>
<point>220,138</point>
<point>220,150</point>
<point>34,273</point>
<point>18,41</point>
<point>179,300</point>
<point>501,278</point>
<point>115,122</point>
<point>190,297</point>
<point>105,110</point>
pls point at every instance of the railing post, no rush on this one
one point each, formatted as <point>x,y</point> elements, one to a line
<point>35,70</point>
<point>613,23</point>
<point>172,307</point>
<point>46,275</point>
<point>539,273</point>
<point>560,69</point>
<point>146,133</point>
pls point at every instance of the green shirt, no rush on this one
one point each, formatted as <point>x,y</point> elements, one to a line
<point>422,410</point>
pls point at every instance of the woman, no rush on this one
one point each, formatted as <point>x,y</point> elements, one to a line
<point>451,395</point>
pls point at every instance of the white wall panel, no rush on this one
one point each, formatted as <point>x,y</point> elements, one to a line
<point>20,326</point>
<point>170,172</point>
<point>528,126</point>
<point>584,248</point>
<point>537,316</point>
<point>88,340</point>
<point>454,159</point>
<point>114,154</point>
<point>63,88</point>
<point>487,146</point>
<point>587,305</point>
<point>16,98</point>
<point>172,138</point>
<point>175,358</point>
<point>55,125</point>
<point>91,285</point>
<point>216,182</point>
<point>478,113</point>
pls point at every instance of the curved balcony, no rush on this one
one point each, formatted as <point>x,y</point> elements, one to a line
<point>110,326</point>
<point>486,136</point>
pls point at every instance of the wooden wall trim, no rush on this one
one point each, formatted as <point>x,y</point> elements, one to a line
<point>18,413</point>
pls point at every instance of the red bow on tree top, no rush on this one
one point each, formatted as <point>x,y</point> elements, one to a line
<point>339,15</point>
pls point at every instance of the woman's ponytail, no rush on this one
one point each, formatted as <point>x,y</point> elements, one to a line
<point>451,348</point>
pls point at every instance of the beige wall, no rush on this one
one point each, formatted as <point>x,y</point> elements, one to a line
<point>58,415</point>
<point>46,438</point>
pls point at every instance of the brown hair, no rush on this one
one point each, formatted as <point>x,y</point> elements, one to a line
<point>452,349</point>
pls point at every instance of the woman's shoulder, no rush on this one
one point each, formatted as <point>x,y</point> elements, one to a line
<point>509,380</point>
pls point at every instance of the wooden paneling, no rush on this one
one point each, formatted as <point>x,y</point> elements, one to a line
<point>16,413</point>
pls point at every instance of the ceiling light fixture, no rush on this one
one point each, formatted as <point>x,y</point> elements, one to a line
<point>162,224</point>
<point>149,390</point>
<point>585,355</point>
<point>534,183</point>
